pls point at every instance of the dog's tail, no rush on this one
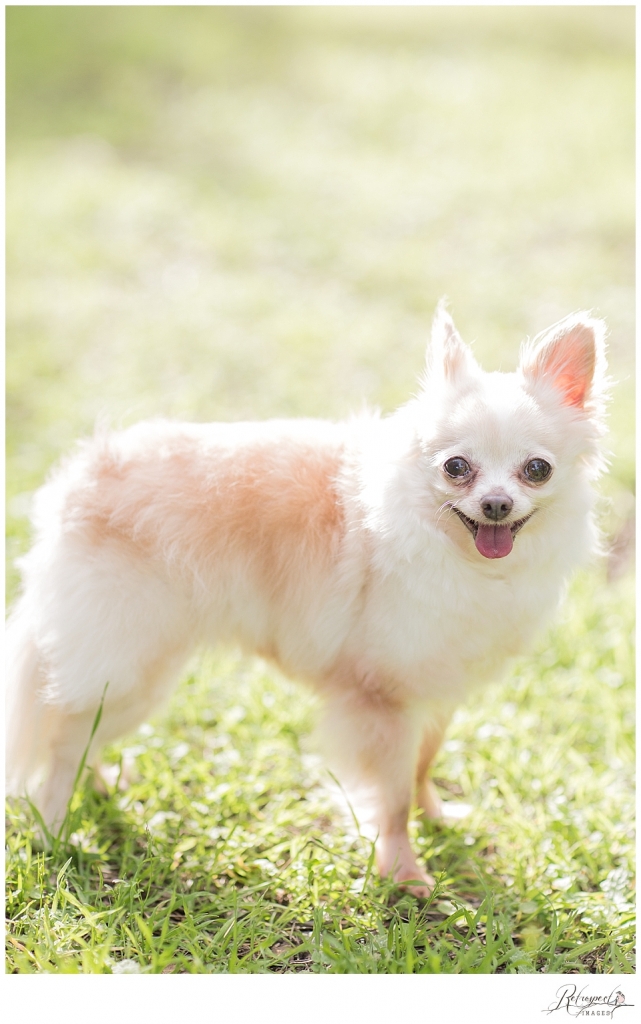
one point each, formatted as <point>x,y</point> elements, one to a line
<point>28,723</point>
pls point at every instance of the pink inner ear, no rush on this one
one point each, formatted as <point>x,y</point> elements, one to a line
<point>570,361</point>
<point>574,390</point>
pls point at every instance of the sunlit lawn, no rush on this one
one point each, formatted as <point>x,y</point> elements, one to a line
<point>222,214</point>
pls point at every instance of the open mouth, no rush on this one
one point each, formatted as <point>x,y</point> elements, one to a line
<point>493,540</point>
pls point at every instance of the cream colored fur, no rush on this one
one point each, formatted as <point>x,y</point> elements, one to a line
<point>332,549</point>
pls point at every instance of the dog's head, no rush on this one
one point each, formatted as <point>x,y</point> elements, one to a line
<point>508,451</point>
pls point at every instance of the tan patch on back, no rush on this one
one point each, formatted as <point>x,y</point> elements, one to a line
<point>267,505</point>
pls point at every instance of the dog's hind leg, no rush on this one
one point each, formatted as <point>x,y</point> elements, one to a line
<point>90,617</point>
<point>68,744</point>
<point>69,735</point>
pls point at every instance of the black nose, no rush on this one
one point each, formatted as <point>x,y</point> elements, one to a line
<point>496,506</point>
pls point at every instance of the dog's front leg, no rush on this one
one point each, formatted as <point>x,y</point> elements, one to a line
<point>375,740</point>
<point>394,854</point>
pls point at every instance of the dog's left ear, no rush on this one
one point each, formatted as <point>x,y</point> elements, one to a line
<point>570,356</point>
<point>447,353</point>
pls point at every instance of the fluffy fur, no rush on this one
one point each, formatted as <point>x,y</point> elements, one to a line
<point>361,557</point>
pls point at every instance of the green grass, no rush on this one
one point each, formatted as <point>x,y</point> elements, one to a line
<point>227,213</point>
<point>228,852</point>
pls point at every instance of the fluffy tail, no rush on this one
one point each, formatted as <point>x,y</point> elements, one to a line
<point>28,722</point>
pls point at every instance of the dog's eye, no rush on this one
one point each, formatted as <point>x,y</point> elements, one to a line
<point>457,468</point>
<point>537,470</point>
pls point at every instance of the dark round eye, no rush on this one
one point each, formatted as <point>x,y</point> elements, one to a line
<point>537,470</point>
<point>457,468</point>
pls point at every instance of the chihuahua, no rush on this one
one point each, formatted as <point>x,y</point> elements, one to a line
<point>393,563</point>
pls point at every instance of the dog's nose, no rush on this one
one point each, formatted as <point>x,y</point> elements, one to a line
<point>496,506</point>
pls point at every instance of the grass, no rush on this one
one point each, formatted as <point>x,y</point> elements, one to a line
<point>227,213</point>
<point>228,853</point>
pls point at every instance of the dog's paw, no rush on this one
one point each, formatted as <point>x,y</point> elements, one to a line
<point>396,860</point>
<point>418,883</point>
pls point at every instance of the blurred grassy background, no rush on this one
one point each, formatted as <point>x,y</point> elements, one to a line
<point>243,212</point>
<point>219,212</point>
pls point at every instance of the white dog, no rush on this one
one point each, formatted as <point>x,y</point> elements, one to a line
<point>392,563</point>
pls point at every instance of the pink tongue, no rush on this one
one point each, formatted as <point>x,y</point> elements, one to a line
<point>493,541</point>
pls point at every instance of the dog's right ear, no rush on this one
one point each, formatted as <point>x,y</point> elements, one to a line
<point>448,355</point>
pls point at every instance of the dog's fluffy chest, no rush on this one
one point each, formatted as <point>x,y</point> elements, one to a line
<point>440,627</point>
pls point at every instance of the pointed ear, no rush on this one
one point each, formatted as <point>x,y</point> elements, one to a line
<point>570,356</point>
<point>448,354</point>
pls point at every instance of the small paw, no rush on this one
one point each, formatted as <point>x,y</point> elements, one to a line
<point>418,883</point>
<point>396,858</point>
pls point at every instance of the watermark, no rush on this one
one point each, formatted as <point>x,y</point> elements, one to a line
<point>579,1003</point>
